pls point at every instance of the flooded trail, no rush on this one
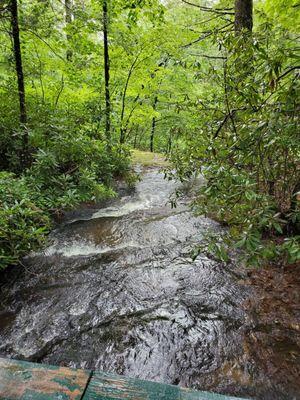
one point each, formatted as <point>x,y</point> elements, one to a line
<point>117,290</point>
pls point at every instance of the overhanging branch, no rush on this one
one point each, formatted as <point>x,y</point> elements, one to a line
<point>220,11</point>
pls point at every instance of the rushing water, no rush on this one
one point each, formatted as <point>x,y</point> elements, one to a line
<point>117,290</point>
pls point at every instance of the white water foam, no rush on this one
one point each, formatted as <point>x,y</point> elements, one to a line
<point>123,210</point>
<point>81,248</point>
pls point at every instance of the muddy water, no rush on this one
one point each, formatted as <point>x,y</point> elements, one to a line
<point>117,290</point>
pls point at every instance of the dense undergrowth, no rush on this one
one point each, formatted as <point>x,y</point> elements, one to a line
<point>67,166</point>
<point>247,146</point>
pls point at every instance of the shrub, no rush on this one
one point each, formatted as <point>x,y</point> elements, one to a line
<point>22,224</point>
<point>68,168</point>
<point>247,146</point>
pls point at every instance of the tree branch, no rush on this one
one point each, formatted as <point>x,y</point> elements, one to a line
<point>47,44</point>
<point>207,56</point>
<point>221,125</point>
<point>206,35</point>
<point>288,71</point>
<point>221,11</point>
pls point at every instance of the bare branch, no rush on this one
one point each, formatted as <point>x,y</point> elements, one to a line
<point>62,85</point>
<point>207,56</point>
<point>288,71</point>
<point>220,11</point>
<point>206,35</point>
<point>47,44</point>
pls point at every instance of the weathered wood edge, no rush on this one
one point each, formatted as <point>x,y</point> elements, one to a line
<point>24,380</point>
<point>108,386</point>
<point>31,381</point>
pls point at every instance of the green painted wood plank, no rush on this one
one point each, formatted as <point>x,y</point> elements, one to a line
<point>30,381</point>
<point>105,386</point>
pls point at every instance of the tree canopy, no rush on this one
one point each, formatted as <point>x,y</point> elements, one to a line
<point>213,85</point>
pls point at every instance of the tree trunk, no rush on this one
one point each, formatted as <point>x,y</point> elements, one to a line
<point>19,72</point>
<point>122,127</point>
<point>243,15</point>
<point>135,137</point>
<point>106,74</point>
<point>18,60</point>
<point>169,145</point>
<point>68,19</point>
<point>153,126</point>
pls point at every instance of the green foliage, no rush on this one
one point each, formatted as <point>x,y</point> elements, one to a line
<point>284,12</point>
<point>67,169</point>
<point>23,225</point>
<point>76,162</point>
<point>247,144</point>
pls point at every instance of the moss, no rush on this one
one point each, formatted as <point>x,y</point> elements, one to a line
<point>148,159</point>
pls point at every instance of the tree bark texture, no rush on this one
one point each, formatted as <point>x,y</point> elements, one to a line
<point>68,19</point>
<point>243,15</point>
<point>106,73</point>
<point>18,60</point>
<point>153,126</point>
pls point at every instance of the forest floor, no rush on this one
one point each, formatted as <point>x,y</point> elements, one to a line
<point>276,313</point>
<point>148,159</point>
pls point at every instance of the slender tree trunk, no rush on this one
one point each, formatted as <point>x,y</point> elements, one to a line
<point>68,19</point>
<point>20,74</point>
<point>122,127</point>
<point>169,145</point>
<point>153,126</point>
<point>135,137</point>
<point>106,74</point>
<point>243,15</point>
<point>18,60</point>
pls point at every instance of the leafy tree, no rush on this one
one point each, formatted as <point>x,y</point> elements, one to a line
<point>247,143</point>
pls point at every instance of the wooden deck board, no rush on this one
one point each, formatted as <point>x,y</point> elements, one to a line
<point>112,387</point>
<point>29,381</point>
<point>20,380</point>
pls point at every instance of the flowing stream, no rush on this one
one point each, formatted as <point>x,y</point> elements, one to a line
<point>117,290</point>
